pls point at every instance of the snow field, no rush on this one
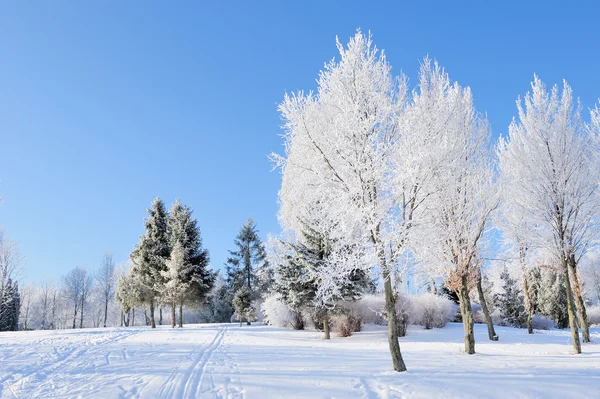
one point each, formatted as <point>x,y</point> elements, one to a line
<point>228,361</point>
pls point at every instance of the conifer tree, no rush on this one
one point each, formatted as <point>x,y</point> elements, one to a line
<point>510,301</point>
<point>242,302</point>
<point>246,260</point>
<point>150,256</point>
<point>194,278</point>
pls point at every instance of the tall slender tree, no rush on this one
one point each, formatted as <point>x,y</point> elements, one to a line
<point>549,161</point>
<point>150,256</point>
<point>249,257</point>
<point>106,281</point>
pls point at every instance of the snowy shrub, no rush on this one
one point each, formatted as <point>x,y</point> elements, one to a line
<point>370,309</point>
<point>593,313</point>
<point>403,311</point>
<point>430,310</point>
<point>346,323</point>
<point>542,322</point>
<point>275,312</point>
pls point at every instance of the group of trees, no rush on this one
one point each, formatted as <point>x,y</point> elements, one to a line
<point>375,174</point>
<point>10,299</point>
<point>169,265</point>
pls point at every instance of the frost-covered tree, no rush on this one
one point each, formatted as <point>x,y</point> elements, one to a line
<point>463,193</point>
<point>106,279</point>
<point>176,285</point>
<point>188,273</point>
<point>77,285</point>
<point>218,308</point>
<point>549,161</point>
<point>149,256</point>
<point>339,148</point>
<point>10,273</point>
<point>128,295</point>
<point>242,303</point>
<point>248,261</point>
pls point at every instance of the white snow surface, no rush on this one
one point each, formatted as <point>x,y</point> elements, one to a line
<point>228,361</point>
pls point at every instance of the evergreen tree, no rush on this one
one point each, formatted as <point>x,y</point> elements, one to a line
<point>242,303</point>
<point>245,263</point>
<point>551,296</point>
<point>510,301</point>
<point>295,280</point>
<point>218,308</point>
<point>150,256</point>
<point>195,279</point>
<point>10,304</point>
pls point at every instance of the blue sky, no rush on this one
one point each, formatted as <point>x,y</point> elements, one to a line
<point>106,105</point>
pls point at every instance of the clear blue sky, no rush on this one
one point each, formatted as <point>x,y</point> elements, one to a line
<point>105,105</point>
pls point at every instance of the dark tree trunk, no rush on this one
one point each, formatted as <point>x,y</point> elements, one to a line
<point>75,317</point>
<point>146,319</point>
<point>152,322</point>
<point>327,334</point>
<point>181,314</point>
<point>173,321</point>
<point>467,317</point>
<point>81,319</point>
<point>583,321</point>
<point>105,311</point>
<point>133,317</point>
<point>488,319</point>
<point>160,316</point>
<point>528,304</point>
<point>571,308</point>
<point>122,317</point>
<point>390,307</point>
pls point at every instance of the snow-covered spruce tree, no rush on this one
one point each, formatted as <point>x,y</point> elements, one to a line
<point>549,163</point>
<point>10,273</point>
<point>128,295</point>
<point>193,280</point>
<point>248,261</point>
<point>218,308</point>
<point>10,304</point>
<point>106,279</point>
<point>149,256</point>
<point>551,294</point>
<point>510,301</point>
<point>175,286</point>
<point>463,194</point>
<point>242,303</point>
<point>341,141</point>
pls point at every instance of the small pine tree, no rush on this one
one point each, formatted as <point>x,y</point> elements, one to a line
<point>10,305</point>
<point>551,297</point>
<point>510,301</point>
<point>242,303</point>
<point>248,265</point>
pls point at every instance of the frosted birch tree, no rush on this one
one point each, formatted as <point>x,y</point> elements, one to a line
<point>106,278</point>
<point>463,193</point>
<point>347,132</point>
<point>549,162</point>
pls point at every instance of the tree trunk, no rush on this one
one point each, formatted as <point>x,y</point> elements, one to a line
<point>160,316</point>
<point>181,314</point>
<point>105,311</point>
<point>81,319</point>
<point>490,324</point>
<point>74,317</point>
<point>528,304</point>
<point>122,317</point>
<point>326,332</point>
<point>583,321</point>
<point>133,317</point>
<point>467,317</point>
<point>571,308</point>
<point>152,322</point>
<point>390,307</point>
<point>146,319</point>
<point>173,321</point>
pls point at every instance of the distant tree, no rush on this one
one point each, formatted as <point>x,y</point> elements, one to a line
<point>76,287</point>
<point>127,295</point>
<point>193,277</point>
<point>242,303</point>
<point>249,258</point>
<point>510,301</point>
<point>106,281</point>
<point>10,272</point>
<point>150,256</point>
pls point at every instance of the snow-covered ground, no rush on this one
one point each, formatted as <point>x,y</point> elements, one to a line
<point>226,361</point>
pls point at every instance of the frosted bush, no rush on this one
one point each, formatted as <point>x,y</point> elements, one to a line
<point>276,312</point>
<point>430,310</point>
<point>593,313</point>
<point>369,309</point>
<point>542,323</point>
